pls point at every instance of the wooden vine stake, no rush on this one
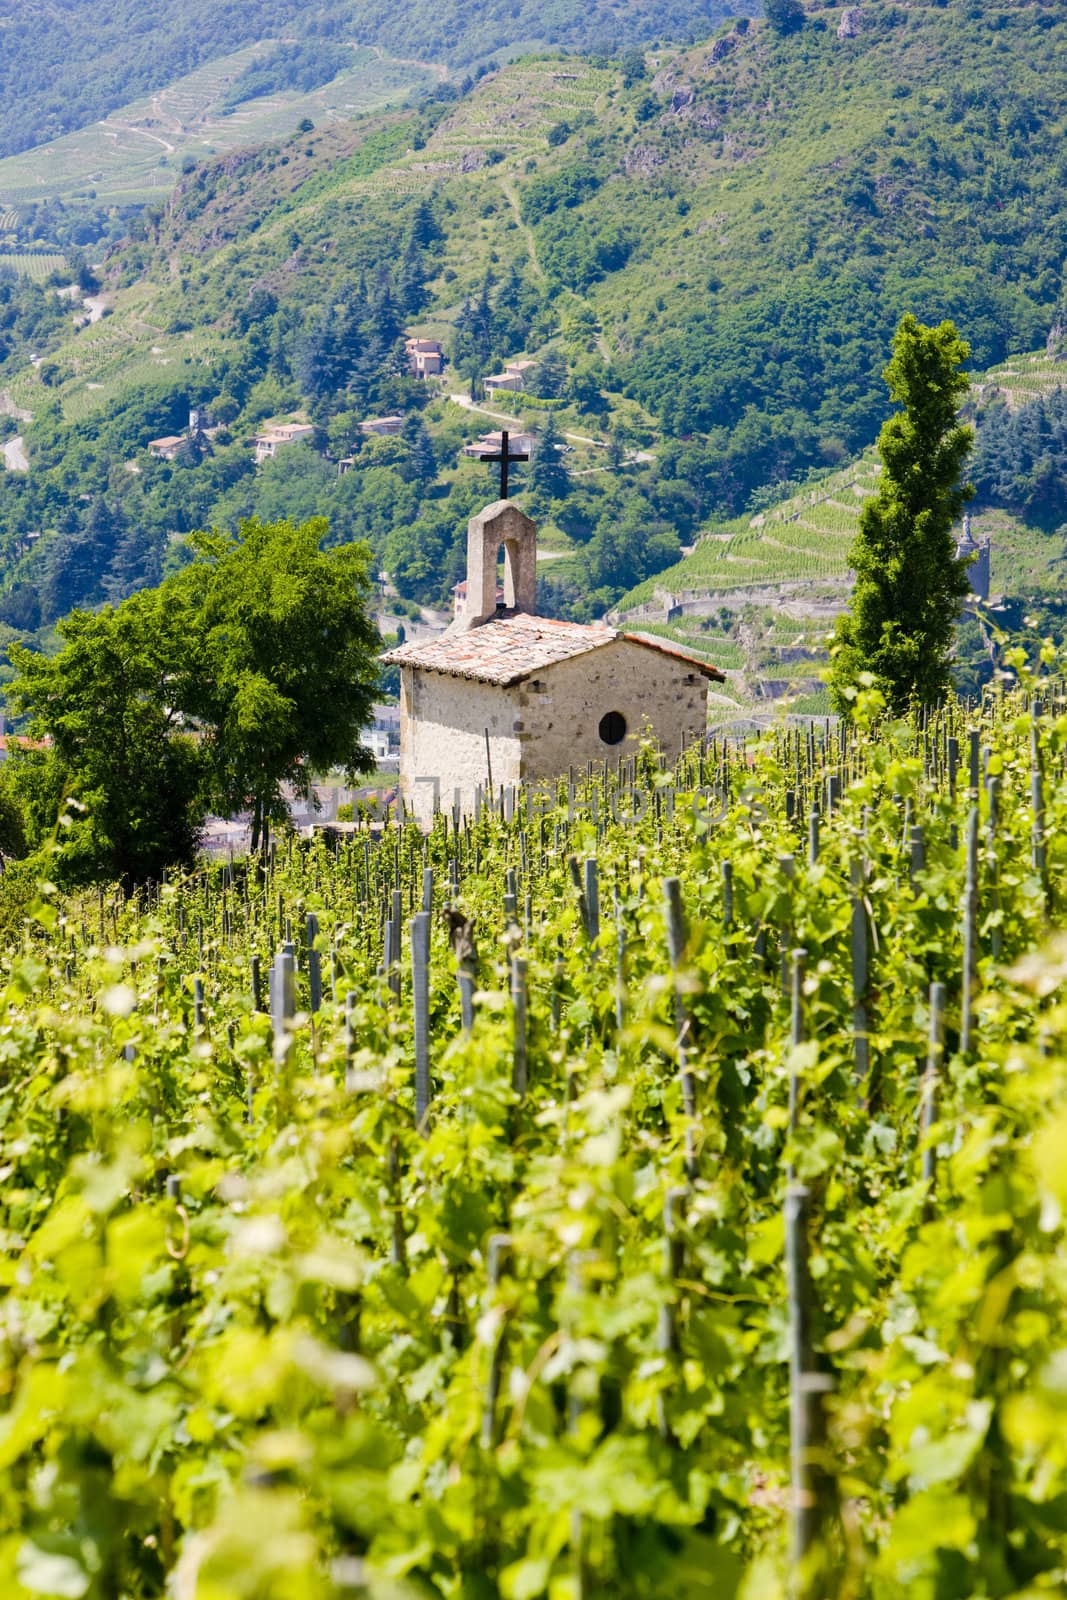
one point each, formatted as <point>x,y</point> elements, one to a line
<point>1037,805</point>
<point>970,935</point>
<point>807,1432</point>
<point>674,1202</point>
<point>518,1010</point>
<point>860,949</point>
<point>420,986</point>
<point>282,1004</point>
<point>578,1264</point>
<point>498,1259</point>
<point>677,937</point>
<point>461,938</point>
<point>620,964</point>
<point>928,1092</point>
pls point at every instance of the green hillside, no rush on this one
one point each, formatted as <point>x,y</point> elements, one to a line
<point>802,542</point>
<point>138,151</point>
<point>704,253</point>
<point>744,265</point>
<point>66,63</point>
<point>756,596</point>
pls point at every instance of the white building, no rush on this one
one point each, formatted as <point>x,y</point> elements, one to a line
<point>507,697</point>
<point>271,440</point>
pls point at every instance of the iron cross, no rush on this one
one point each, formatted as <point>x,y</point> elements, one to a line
<point>505,456</point>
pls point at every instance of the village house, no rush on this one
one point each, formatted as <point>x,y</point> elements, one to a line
<point>382,737</point>
<point>459,596</point>
<point>381,427</point>
<point>490,444</point>
<point>201,428</point>
<point>426,358</point>
<point>271,440</point>
<point>167,448</point>
<point>506,697</point>
<point>10,742</point>
<point>513,379</point>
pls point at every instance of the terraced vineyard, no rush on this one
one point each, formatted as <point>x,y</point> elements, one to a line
<point>516,110</point>
<point>678,1212</point>
<point>1023,378</point>
<point>33,264</point>
<point>802,540</point>
<point>137,152</point>
<point>805,540</point>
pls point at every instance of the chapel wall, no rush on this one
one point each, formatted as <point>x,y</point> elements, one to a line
<point>451,715</point>
<point>652,691</point>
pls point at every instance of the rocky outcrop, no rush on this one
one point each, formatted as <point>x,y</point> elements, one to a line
<point>851,24</point>
<point>720,50</point>
<point>682,98</point>
<point>642,160</point>
<point>666,77</point>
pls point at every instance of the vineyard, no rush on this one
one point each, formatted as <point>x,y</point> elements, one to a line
<point>39,264</point>
<point>136,153</point>
<point>648,1188</point>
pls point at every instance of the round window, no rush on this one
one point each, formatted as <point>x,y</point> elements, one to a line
<point>612,728</point>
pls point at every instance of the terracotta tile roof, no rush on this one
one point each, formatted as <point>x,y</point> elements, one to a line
<point>512,648</point>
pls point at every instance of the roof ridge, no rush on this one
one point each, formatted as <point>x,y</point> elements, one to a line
<point>504,650</point>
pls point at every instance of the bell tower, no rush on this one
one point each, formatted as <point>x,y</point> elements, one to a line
<point>501,524</point>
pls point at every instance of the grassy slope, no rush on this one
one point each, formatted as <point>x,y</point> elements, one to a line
<point>801,169</point>
<point>66,63</point>
<point>137,152</point>
<point>803,541</point>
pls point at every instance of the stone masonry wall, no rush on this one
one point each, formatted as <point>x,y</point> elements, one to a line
<point>542,727</point>
<point>560,719</point>
<point>452,715</point>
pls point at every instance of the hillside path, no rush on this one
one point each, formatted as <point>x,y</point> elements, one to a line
<point>125,127</point>
<point>15,458</point>
<point>437,67</point>
<point>516,422</point>
<point>524,227</point>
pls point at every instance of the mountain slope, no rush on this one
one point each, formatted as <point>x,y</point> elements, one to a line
<point>706,260</point>
<point>66,63</point>
<point>744,230</point>
<point>139,150</point>
<point>799,545</point>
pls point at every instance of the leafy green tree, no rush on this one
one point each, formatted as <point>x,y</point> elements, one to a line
<point>549,378</point>
<point>117,763</point>
<point>634,70</point>
<point>585,386</point>
<point>285,666</point>
<point>784,16</point>
<point>909,580</point>
<point>548,475</point>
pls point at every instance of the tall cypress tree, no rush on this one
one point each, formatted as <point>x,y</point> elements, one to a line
<point>909,581</point>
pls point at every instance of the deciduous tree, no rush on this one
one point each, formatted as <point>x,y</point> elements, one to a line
<point>784,16</point>
<point>117,762</point>
<point>286,661</point>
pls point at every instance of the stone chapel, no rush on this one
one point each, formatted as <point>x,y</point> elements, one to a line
<point>504,696</point>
